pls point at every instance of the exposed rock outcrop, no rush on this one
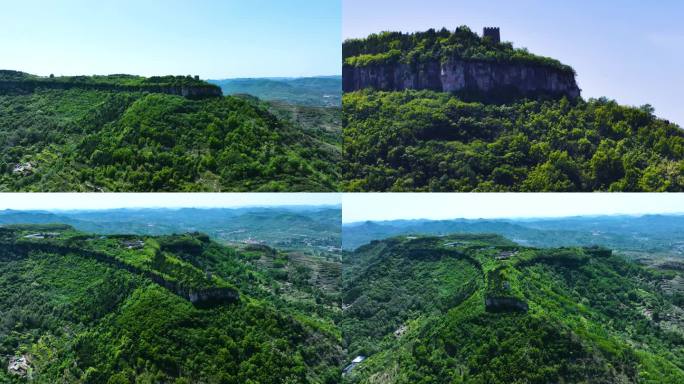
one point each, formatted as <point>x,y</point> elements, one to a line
<point>505,304</point>
<point>475,77</point>
<point>19,366</point>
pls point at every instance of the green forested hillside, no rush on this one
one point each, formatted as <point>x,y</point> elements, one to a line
<point>174,309</point>
<point>480,309</point>
<point>430,141</point>
<point>89,138</point>
<point>419,47</point>
<point>16,81</point>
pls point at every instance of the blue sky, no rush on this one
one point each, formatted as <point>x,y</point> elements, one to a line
<point>213,39</point>
<point>441,206</point>
<point>628,50</point>
<point>91,201</point>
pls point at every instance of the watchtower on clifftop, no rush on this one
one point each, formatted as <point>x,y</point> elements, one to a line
<point>493,33</point>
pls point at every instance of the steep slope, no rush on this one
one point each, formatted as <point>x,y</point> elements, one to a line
<point>458,62</point>
<point>478,308</point>
<point>450,111</point>
<point>113,134</point>
<point>117,309</point>
<point>428,141</point>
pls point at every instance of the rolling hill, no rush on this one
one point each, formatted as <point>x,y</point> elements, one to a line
<point>308,229</point>
<point>648,236</point>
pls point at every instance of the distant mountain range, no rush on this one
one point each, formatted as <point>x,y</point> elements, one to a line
<point>644,235</point>
<point>477,308</point>
<point>283,227</point>
<point>320,91</point>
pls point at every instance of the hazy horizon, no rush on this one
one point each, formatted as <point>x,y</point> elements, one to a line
<point>531,218</point>
<point>227,39</point>
<point>61,202</point>
<point>216,78</point>
<point>454,206</point>
<point>623,50</point>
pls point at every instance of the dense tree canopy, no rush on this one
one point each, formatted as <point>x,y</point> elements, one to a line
<point>429,141</point>
<point>416,306</point>
<point>92,140</point>
<point>431,45</point>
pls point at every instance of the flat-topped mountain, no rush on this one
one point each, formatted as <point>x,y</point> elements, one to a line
<point>442,111</point>
<point>459,62</point>
<point>480,308</point>
<point>186,86</point>
<point>81,307</point>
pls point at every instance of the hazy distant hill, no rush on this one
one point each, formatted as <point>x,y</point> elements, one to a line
<point>323,91</point>
<point>651,235</point>
<point>284,227</point>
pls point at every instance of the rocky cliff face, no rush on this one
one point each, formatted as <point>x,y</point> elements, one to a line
<point>190,92</point>
<point>505,304</point>
<point>473,77</point>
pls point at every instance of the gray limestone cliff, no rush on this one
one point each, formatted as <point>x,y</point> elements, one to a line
<point>505,304</point>
<point>484,78</point>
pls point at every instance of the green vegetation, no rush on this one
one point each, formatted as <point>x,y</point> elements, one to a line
<point>82,308</point>
<point>323,91</point>
<point>422,47</point>
<point>322,122</point>
<point>428,141</point>
<point>81,138</point>
<point>417,306</point>
<point>479,308</point>
<point>121,80</point>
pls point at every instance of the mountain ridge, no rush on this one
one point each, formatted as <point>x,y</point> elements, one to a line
<point>419,312</point>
